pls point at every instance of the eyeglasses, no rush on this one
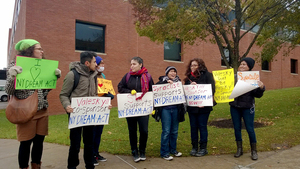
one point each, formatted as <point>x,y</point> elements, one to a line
<point>41,49</point>
<point>194,65</point>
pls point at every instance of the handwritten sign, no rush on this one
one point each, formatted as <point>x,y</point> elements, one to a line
<point>105,86</point>
<point>36,73</point>
<point>168,94</point>
<point>249,76</point>
<point>198,95</point>
<point>129,107</point>
<point>224,85</point>
<point>89,111</point>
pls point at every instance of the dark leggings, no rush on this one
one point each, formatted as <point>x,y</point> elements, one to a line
<point>36,151</point>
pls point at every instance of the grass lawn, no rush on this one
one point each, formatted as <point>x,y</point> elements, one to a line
<point>279,110</point>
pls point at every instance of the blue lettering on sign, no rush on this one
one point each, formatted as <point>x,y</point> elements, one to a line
<point>103,119</point>
<point>169,99</point>
<point>121,113</point>
<point>72,120</point>
<point>134,111</point>
<point>199,97</point>
<point>157,101</point>
<point>86,119</point>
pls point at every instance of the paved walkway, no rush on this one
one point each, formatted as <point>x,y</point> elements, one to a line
<point>55,157</point>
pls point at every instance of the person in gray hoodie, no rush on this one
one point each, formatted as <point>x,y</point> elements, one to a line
<point>87,86</point>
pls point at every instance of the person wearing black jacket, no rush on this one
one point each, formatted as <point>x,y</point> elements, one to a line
<point>170,117</point>
<point>244,107</point>
<point>197,73</point>
<point>137,80</point>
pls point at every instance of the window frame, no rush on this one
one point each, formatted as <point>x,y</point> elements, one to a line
<point>294,66</point>
<point>178,57</point>
<point>88,47</point>
<point>265,62</point>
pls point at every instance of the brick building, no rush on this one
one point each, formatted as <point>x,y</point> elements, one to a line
<point>61,27</point>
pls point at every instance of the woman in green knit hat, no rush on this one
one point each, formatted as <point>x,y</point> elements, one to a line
<point>35,130</point>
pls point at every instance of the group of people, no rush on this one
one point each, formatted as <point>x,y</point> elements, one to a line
<point>81,81</point>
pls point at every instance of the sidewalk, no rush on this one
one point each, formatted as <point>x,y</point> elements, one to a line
<point>55,157</point>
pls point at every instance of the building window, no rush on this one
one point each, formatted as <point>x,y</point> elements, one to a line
<point>90,37</point>
<point>226,53</point>
<point>294,66</point>
<point>265,65</point>
<point>172,51</point>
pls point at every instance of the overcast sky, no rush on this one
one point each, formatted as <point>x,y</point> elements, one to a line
<point>6,12</point>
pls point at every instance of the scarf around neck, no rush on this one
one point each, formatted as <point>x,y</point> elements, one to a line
<point>144,80</point>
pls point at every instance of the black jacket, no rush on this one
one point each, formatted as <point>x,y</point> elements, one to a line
<point>247,100</point>
<point>134,83</point>
<point>205,78</point>
<point>180,107</point>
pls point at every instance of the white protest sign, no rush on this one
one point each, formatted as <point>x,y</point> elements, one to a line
<point>250,77</point>
<point>240,88</point>
<point>198,95</point>
<point>168,94</point>
<point>128,106</point>
<point>89,111</point>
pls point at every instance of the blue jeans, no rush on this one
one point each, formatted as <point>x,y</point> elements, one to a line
<point>169,121</point>
<point>248,116</point>
<point>198,122</point>
<point>97,138</point>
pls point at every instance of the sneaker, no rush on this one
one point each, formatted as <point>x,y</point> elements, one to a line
<point>95,161</point>
<point>136,157</point>
<point>100,158</point>
<point>142,156</point>
<point>167,157</point>
<point>177,154</point>
<point>201,152</point>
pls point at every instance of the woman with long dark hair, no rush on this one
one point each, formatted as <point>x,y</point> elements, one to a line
<point>138,80</point>
<point>197,73</point>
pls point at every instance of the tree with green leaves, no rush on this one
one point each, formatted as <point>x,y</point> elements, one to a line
<point>275,24</point>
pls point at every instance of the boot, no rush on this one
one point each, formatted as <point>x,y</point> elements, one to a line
<point>195,148</point>
<point>239,150</point>
<point>203,150</point>
<point>254,155</point>
<point>35,165</point>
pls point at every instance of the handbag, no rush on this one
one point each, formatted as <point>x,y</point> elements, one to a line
<point>21,110</point>
<point>157,114</point>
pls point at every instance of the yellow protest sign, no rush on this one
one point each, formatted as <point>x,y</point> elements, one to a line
<point>105,86</point>
<point>224,85</point>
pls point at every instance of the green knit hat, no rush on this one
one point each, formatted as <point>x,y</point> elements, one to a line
<point>25,44</point>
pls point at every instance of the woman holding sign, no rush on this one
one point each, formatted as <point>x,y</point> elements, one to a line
<point>170,117</point>
<point>35,130</point>
<point>197,73</point>
<point>244,107</point>
<point>137,80</point>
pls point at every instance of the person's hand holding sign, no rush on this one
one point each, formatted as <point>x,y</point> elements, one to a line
<point>260,84</point>
<point>69,109</point>
<point>170,81</point>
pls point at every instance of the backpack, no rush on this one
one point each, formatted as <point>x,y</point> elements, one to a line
<point>76,78</point>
